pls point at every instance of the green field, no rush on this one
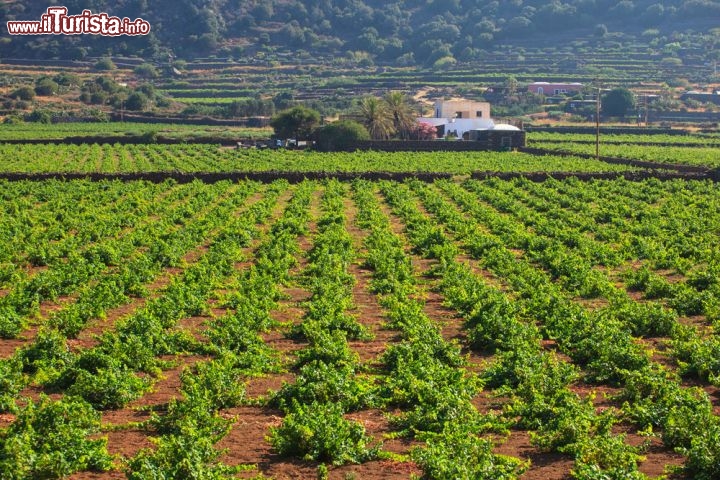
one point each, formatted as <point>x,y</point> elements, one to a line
<point>361,329</point>
<point>628,139</point>
<point>210,158</point>
<point>209,100</point>
<point>686,155</point>
<point>27,131</point>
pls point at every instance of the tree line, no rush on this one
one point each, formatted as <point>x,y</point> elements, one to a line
<point>389,117</point>
<point>426,32</point>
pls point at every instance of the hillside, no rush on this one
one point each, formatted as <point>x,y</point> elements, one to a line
<point>413,32</point>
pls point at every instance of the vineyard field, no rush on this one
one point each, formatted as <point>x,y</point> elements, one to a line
<point>210,100</point>
<point>210,158</point>
<point>627,139</point>
<point>705,155</point>
<point>470,329</point>
<point>56,131</point>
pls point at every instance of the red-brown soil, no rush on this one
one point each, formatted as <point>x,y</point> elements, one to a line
<point>247,444</point>
<point>543,465</point>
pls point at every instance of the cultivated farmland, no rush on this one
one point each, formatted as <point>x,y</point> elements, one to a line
<point>106,158</point>
<point>455,329</point>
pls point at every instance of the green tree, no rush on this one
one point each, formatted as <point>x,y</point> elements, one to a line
<point>98,98</point>
<point>510,85</point>
<point>340,135</point>
<point>105,64</point>
<point>40,116</point>
<point>297,122</point>
<point>46,87</point>
<point>617,102</point>
<point>137,101</point>
<point>146,70</point>
<point>23,93</point>
<point>68,79</point>
<point>148,89</point>
<point>377,118</point>
<point>401,113</point>
<point>107,84</point>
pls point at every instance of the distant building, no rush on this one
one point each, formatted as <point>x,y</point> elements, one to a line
<point>546,88</point>
<point>457,126</point>
<point>575,105</point>
<point>703,97</point>
<point>501,137</point>
<point>457,117</point>
<point>464,109</point>
<point>468,120</point>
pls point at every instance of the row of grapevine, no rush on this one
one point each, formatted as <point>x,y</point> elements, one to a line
<point>554,290</point>
<point>625,139</point>
<point>537,381</point>
<point>135,258</point>
<point>211,158</point>
<point>424,373</point>
<point>38,131</point>
<point>687,155</point>
<point>688,239</point>
<point>329,382</point>
<point>192,426</point>
<point>600,343</point>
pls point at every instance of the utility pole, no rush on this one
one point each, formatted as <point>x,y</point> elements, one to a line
<point>597,124</point>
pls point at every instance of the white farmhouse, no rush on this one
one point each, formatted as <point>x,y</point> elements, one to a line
<point>457,117</point>
<point>464,109</point>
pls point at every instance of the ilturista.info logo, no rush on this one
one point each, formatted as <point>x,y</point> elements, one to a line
<point>56,21</point>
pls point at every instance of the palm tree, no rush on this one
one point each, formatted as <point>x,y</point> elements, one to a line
<point>376,118</point>
<point>402,115</point>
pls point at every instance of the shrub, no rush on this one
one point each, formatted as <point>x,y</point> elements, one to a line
<point>49,352</point>
<point>49,440</point>
<point>217,381</point>
<point>12,381</point>
<point>325,383</point>
<point>23,93</point>
<point>458,453</point>
<point>444,63</point>
<point>703,461</point>
<point>194,417</point>
<point>39,116</point>
<point>297,122</point>
<point>604,456</point>
<point>180,456</point>
<point>46,87</point>
<point>67,79</point>
<point>11,323</point>
<point>105,64</point>
<point>107,389</point>
<point>14,120</point>
<point>319,432</point>
<point>340,135</point>
<point>137,101</point>
<point>146,70</point>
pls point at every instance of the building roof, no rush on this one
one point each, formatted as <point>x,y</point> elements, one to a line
<point>505,126</point>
